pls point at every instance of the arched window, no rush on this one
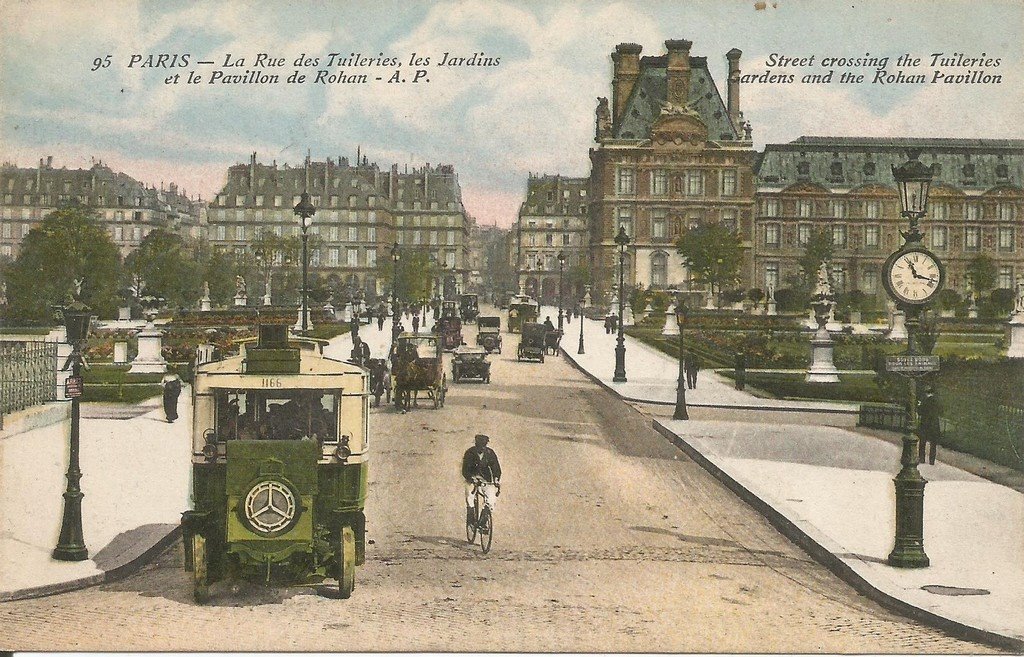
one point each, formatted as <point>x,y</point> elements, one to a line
<point>659,269</point>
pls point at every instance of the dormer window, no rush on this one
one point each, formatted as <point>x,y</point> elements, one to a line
<point>803,169</point>
<point>1002,171</point>
<point>869,169</point>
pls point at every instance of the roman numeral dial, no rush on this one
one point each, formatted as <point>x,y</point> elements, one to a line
<point>913,276</point>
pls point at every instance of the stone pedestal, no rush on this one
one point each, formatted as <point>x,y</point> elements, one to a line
<point>972,312</point>
<point>671,327</point>
<point>120,353</point>
<point>627,316</point>
<point>241,300</point>
<point>710,303</point>
<point>948,313</point>
<point>822,369</point>
<point>346,313</point>
<point>646,313</point>
<point>266,300</point>
<point>204,353</point>
<point>855,317</point>
<point>149,360</point>
<point>1016,348</point>
<point>124,314</point>
<point>897,325</point>
<point>330,311</point>
<point>298,321</point>
<point>771,309</point>
<point>204,304</point>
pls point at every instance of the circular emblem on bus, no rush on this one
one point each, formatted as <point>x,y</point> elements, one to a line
<point>270,508</point>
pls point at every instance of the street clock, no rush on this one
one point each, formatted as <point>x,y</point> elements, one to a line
<point>913,275</point>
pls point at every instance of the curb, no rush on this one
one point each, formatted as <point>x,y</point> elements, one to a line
<point>118,572</point>
<point>742,407</point>
<point>833,563</point>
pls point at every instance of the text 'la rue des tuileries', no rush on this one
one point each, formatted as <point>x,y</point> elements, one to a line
<point>333,68</point>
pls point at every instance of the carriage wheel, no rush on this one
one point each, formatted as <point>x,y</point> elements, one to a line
<point>345,554</point>
<point>200,563</point>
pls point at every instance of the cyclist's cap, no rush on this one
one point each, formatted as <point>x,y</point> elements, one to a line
<point>482,437</point>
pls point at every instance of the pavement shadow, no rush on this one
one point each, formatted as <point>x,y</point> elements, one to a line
<point>458,543</point>
<point>697,540</point>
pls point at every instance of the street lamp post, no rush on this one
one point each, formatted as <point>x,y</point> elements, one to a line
<point>395,255</point>
<point>582,304</point>
<point>911,292</point>
<point>304,210</point>
<point>680,410</point>
<point>561,269</point>
<point>71,544</point>
<point>622,239</point>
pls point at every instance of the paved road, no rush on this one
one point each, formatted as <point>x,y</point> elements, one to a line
<point>607,539</point>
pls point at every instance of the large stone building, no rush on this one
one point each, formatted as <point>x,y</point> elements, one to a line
<point>429,216</point>
<point>670,154</point>
<point>552,220</point>
<point>128,208</point>
<point>361,211</point>
<point>845,186</point>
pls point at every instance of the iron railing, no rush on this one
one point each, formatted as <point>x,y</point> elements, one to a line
<point>28,374</point>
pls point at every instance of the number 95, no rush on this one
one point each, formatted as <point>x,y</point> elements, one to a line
<point>100,62</point>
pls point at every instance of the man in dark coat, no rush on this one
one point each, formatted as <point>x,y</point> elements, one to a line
<point>480,463</point>
<point>548,325</point>
<point>692,366</point>
<point>172,388</point>
<point>929,429</point>
<point>416,322</point>
<point>380,318</point>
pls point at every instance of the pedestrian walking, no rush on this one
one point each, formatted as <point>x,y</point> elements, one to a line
<point>692,366</point>
<point>416,323</point>
<point>608,324</point>
<point>172,388</point>
<point>380,319</point>
<point>929,429</point>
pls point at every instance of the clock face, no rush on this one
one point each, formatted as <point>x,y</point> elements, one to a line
<point>914,276</point>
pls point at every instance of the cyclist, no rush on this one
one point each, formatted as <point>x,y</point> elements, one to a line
<point>480,463</point>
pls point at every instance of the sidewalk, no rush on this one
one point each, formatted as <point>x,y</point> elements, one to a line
<point>135,481</point>
<point>651,375</point>
<point>830,490</point>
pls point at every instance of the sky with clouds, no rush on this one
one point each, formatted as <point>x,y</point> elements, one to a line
<point>532,113</point>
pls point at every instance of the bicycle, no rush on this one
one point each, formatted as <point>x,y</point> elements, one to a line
<point>484,525</point>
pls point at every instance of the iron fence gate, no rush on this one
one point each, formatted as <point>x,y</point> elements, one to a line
<point>28,374</point>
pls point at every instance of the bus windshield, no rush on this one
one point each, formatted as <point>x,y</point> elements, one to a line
<point>277,415</point>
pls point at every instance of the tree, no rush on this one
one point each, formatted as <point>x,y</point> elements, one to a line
<point>981,271</point>
<point>416,274</point>
<point>819,248</point>
<point>166,265</point>
<point>712,253</point>
<point>69,244</point>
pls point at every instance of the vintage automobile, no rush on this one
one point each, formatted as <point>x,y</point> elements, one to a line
<point>449,328</point>
<point>521,310</point>
<point>488,334</point>
<point>417,365</point>
<point>469,309</point>
<point>279,466</point>
<point>471,363</point>
<point>531,344</point>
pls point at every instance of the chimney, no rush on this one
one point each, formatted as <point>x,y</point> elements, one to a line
<point>733,97</point>
<point>626,69</point>
<point>393,182</point>
<point>678,71</point>
<point>49,161</point>
<point>252,170</point>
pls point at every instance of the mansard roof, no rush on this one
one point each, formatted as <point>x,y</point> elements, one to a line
<point>847,162</point>
<point>651,90</point>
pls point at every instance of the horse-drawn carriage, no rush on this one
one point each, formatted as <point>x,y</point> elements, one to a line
<point>418,365</point>
<point>552,340</point>
<point>471,363</point>
<point>279,466</point>
<point>532,343</point>
<point>469,308</point>
<point>521,310</point>
<point>488,334</point>
<point>449,329</point>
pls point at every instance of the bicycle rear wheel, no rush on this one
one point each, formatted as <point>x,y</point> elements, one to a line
<point>486,525</point>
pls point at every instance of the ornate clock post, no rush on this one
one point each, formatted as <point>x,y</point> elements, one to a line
<point>912,276</point>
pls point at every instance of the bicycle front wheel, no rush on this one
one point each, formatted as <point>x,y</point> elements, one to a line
<point>471,526</point>
<point>486,525</point>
